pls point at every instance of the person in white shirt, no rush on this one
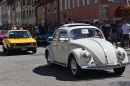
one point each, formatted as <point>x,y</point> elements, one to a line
<point>125,28</point>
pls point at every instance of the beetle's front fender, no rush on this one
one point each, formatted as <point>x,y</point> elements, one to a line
<point>78,54</point>
<point>50,51</point>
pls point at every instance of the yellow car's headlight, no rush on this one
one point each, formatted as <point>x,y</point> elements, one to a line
<point>12,44</point>
<point>34,43</point>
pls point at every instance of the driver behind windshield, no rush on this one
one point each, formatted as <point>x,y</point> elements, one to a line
<point>85,33</point>
<point>19,34</point>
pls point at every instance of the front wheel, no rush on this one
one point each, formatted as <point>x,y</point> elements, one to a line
<point>75,68</point>
<point>34,50</point>
<point>119,71</point>
<point>49,61</point>
<point>8,51</point>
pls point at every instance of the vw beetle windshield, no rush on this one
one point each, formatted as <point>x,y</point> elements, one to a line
<point>85,33</point>
<point>19,34</point>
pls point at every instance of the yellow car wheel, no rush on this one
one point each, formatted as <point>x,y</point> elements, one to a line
<point>34,50</point>
<point>8,51</point>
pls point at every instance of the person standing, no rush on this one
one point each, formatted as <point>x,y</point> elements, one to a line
<point>125,29</point>
<point>106,29</point>
<point>113,33</point>
<point>20,28</point>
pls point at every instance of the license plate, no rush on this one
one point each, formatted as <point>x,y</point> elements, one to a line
<point>23,48</point>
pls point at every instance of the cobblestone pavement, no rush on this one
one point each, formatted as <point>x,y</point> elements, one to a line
<point>28,69</point>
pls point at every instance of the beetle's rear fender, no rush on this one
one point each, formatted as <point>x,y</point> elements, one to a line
<point>50,51</point>
<point>78,54</point>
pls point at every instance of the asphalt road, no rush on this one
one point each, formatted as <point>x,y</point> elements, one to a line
<point>27,69</point>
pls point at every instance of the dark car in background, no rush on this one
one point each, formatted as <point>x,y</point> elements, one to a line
<point>3,28</point>
<point>43,38</point>
<point>49,39</point>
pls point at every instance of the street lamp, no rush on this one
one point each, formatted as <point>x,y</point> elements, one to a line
<point>125,2</point>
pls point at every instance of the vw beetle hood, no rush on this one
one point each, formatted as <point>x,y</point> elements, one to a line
<point>99,49</point>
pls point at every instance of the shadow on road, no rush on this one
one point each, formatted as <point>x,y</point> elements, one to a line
<point>15,53</point>
<point>63,74</point>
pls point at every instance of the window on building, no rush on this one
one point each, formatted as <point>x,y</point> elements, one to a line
<point>52,7</point>
<point>48,8</point>
<point>19,3</point>
<point>23,2</point>
<point>55,6</point>
<point>32,13</point>
<point>24,14</point>
<point>29,13</point>
<point>71,3</point>
<point>63,4</point>
<point>19,16</point>
<point>91,1</point>
<point>81,2</point>
<point>42,10</point>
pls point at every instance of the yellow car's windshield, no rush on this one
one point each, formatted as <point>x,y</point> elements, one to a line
<point>19,34</point>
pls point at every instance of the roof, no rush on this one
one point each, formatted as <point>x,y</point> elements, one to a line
<point>75,24</point>
<point>69,27</point>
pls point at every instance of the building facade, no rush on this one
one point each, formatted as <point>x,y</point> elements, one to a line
<point>18,12</point>
<point>0,17</point>
<point>31,13</point>
<point>13,18</point>
<point>47,11</point>
<point>4,9</point>
<point>40,11</point>
<point>52,12</point>
<point>87,10</point>
<point>24,13</point>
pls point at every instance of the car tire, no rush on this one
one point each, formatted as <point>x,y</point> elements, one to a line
<point>34,51</point>
<point>75,68</point>
<point>4,49</point>
<point>8,51</point>
<point>49,61</point>
<point>119,71</point>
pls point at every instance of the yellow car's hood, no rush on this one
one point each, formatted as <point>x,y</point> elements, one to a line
<point>21,40</point>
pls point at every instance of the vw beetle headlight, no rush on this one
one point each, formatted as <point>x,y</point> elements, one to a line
<point>87,56</point>
<point>121,55</point>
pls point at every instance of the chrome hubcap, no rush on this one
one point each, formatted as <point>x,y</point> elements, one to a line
<point>48,60</point>
<point>73,66</point>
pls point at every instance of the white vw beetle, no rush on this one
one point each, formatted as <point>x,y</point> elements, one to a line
<point>81,46</point>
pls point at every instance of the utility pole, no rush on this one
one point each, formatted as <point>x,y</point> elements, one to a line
<point>125,2</point>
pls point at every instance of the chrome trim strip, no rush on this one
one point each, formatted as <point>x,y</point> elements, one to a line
<point>94,66</point>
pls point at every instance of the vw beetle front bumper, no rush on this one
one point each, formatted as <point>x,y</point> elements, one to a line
<point>105,66</point>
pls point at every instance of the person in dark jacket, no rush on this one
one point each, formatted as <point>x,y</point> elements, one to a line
<point>106,29</point>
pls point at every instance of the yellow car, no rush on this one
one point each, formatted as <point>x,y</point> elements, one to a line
<point>16,40</point>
